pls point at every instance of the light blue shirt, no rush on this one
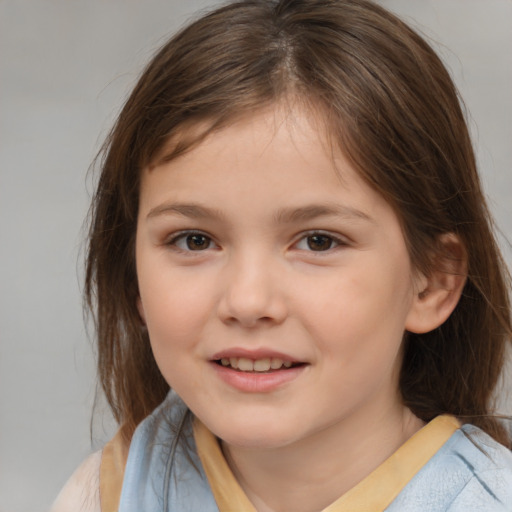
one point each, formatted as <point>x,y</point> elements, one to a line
<point>470,473</point>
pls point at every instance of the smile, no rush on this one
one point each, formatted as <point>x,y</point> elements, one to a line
<point>257,371</point>
<point>245,364</point>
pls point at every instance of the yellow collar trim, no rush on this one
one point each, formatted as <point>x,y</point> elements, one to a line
<point>374,493</point>
<point>113,462</point>
<point>227,492</point>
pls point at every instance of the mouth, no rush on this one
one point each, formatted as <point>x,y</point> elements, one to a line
<point>264,365</point>
<point>257,371</point>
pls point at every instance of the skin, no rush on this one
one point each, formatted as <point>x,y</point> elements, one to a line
<point>258,279</point>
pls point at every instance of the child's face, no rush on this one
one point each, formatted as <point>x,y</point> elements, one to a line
<point>251,249</point>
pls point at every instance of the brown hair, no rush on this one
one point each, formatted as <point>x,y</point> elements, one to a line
<point>389,104</point>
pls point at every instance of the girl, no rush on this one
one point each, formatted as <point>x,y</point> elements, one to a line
<point>290,234</point>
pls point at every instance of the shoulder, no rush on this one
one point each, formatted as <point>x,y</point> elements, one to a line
<point>477,453</point>
<point>471,472</point>
<point>163,469</point>
<point>81,491</point>
<point>487,466</point>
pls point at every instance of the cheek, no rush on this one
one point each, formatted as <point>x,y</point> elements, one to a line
<point>175,305</point>
<point>172,315</point>
<point>359,316</point>
<point>175,320</point>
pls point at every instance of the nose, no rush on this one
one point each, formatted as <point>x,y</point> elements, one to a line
<point>253,292</point>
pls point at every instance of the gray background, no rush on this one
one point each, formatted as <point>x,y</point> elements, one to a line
<point>65,68</point>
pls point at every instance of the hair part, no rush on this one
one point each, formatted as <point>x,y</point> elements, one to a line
<point>388,104</point>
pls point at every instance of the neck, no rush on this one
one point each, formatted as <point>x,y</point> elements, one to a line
<point>312,473</point>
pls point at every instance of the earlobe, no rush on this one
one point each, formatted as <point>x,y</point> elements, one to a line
<point>440,291</point>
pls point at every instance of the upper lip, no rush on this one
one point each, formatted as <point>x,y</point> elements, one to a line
<point>254,354</point>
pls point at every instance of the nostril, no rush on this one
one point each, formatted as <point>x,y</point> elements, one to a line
<point>252,299</point>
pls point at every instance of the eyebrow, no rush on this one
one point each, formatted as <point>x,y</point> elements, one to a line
<point>194,211</point>
<point>282,216</point>
<point>310,212</point>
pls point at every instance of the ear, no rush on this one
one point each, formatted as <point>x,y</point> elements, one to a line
<point>439,292</point>
<point>140,309</point>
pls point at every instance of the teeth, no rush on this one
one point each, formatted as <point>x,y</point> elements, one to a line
<point>262,365</point>
<point>276,363</point>
<point>259,365</point>
<point>246,365</point>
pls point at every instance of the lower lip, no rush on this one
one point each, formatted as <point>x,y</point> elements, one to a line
<point>254,382</point>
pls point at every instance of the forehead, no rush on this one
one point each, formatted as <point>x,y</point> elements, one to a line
<point>274,135</point>
<point>291,112</point>
<point>278,159</point>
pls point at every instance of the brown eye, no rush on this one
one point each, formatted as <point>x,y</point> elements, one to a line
<point>319,242</point>
<point>192,242</point>
<point>197,242</point>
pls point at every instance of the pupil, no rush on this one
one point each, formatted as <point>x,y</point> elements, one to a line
<point>319,242</point>
<point>197,242</point>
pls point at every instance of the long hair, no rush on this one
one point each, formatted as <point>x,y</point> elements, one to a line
<point>390,106</point>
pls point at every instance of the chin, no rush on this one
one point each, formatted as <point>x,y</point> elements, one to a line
<point>269,435</point>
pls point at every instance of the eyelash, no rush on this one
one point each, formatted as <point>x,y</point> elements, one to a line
<point>334,242</point>
<point>184,235</point>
